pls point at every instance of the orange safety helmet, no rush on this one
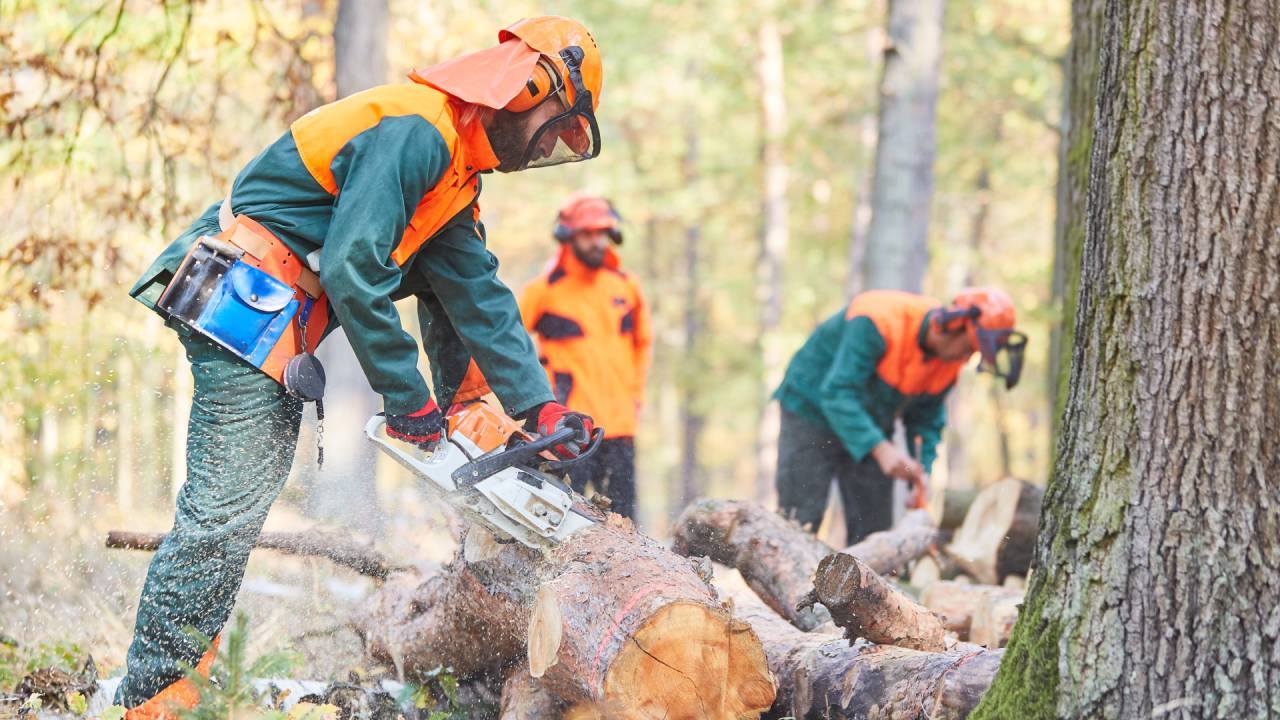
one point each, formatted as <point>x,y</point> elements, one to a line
<point>536,59</point>
<point>987,313</point>
<point>587,212</point>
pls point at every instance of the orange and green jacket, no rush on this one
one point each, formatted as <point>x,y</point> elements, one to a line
<point>386,183</point>
<point>592,330</point>
<point>866,366</point>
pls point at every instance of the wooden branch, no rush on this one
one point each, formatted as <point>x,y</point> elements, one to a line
<point>868,606</point>
<point>338,549</point>
<point>888,551</point>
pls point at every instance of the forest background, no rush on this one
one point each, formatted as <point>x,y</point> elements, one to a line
<point>123,119</point>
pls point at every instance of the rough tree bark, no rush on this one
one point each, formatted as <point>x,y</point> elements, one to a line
<point>823,676</point>
<point>1156,591</point>
<point>897,242</point>
<point>610,617</point>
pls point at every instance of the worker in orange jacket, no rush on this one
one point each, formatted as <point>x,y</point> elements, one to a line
<point>591,326</point>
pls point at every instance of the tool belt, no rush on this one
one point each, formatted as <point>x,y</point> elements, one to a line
<point>247,291</point>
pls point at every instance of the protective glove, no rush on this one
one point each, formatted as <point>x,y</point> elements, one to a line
<point>422,428</point>
<point>553,417</point>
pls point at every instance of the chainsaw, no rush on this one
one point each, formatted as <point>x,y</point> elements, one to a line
<point>496,474</point>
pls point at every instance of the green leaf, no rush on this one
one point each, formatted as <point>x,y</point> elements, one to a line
<point>76,702</point>
<point>33,702</point>
<point>115,712</point>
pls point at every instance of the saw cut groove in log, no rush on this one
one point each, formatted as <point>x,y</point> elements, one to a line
<point>998,535</point>
<point>642,635</point>
<point>888,551</point>
<point>338,549</point>
<point>824,676</point>
<point>775,556</point>
<point>956,603</point>
<point>867,606</point>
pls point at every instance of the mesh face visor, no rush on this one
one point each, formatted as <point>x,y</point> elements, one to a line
<point>1002,353</point>
<point>571,136</point>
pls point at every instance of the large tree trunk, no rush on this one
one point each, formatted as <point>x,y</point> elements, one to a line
<point>1157,577</point>
<point>610,617</point>
<point>897,242</point>
<point>1075,146</point>
<point>823,676</point>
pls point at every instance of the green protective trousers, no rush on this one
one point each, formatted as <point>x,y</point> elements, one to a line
<point>240,443</point>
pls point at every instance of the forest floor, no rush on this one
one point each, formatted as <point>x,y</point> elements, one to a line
<point>64,596</point>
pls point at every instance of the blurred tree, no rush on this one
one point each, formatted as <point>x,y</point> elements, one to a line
<point>1156,585</point>
<point>897,240</point>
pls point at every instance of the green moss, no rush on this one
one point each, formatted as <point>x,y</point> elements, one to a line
<point>1026,688</point>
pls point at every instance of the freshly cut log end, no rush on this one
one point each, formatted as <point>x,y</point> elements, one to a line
<point>867,606</point>
<point>998,535</point>
<point>682,657</point>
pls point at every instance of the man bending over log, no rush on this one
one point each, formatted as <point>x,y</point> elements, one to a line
<point>385,182</point>
<point>890,355</point>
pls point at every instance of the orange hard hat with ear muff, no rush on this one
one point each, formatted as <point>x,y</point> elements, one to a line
<point>583,212</point>
<point>537,88</point>
<point>988,316</point>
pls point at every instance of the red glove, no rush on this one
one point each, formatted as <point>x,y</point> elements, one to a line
<point>422,428</point>
<point>553,417</point>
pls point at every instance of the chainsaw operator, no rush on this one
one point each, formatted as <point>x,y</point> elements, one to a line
<point>888,356</point>
<point>592,330</point>
<point>361,202</point>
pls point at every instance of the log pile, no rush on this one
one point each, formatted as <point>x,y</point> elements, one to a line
<point>613,625</point>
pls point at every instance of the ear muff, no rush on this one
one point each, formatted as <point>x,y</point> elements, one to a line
<point>561,232</point>
<point>536,89</point>
<point>949,319</point>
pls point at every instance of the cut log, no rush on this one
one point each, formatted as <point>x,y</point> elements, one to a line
<point>868,606</point>
<point>955,603</point>
<point>775,556</point>
<point>339,549</point>
<point>993,619</point>
<point>823,675</point>
<point>888,551</point>
<point>640,632</point>
<point>998,535</point>
<point>955,505</point>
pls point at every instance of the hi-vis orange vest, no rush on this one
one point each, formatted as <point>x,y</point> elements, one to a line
<point>592,332</point>
<point>904,366</point>
<point>323,132</point>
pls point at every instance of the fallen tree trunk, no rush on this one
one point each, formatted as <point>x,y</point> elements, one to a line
<point>868,606</point>
<point>999,532</point>
<point>956,603</point>
<point>338,549</point>
<point>823,675</point>
<point>775,556</point>
<point>778,559</point>
<point>888,551</point>
<point>610,617</point>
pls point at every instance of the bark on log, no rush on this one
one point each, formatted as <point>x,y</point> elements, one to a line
<point>775,556</point>
<point>868,606</point>
<point>524,698</point>
<point>999,532</point>
<point>641,633</point>
<point>955,603</point>
<point>823,675</point>
<point>888,551</point>
<point>338,549</point>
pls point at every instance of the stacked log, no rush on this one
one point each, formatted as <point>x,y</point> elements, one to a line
<point>998,535</point>
<point>610,618</point>
<point>823,675</point>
